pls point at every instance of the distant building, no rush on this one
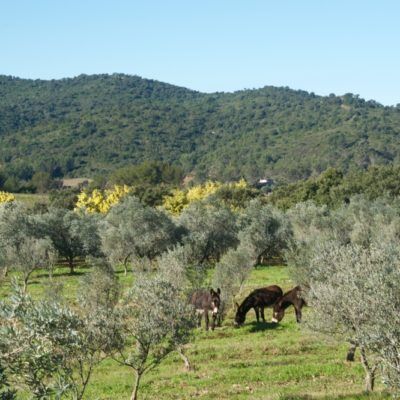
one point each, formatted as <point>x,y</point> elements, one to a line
<point>265,184</point>
<point>75,183</point>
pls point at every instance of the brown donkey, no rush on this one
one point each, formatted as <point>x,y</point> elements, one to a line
<point>204,301</point>
<point>258,299</point>
<point>291,298</point>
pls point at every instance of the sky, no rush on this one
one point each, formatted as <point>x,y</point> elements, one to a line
<point>324,46</point>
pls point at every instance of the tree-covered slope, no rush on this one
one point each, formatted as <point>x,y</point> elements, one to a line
<point>92,124</point>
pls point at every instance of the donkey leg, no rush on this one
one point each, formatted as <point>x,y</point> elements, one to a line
<point>213,320</point>
<point>351,352</point>
<point>298,314</point>
<point>199,317</point>
<point>206,319</point>
<point>257,313</point>
<point>262,314</point>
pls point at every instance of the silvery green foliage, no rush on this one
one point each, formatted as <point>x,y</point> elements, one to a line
<point>21,244</point>
<point>174,265</point>
<point>16,222</point>
<point>6,392</point>
<point>232,271</point>
<point>50,349</point>
<point>3,264</point>
<point>349,259</point>
<point>358,223</point>
<point>380,281</point>
<point>155,320</point>
<point>371,222</point>
<point>355,293</point>
<point>34,338</point>
<point>211,231</point>
<point>30,254</point>
<point>181,266</point>
<point>361,222</point>
<point>133,230</point>
<point>73,234</point>
<point>265,230</point>
<point>99,290</point>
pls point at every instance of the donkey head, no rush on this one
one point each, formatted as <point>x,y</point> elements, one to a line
<point>240,316</point>
<point>215,301</point>
<point>278,313</point>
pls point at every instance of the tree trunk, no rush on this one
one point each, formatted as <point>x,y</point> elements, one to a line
<point>25,286</point>
<point>71,265</point>
<point>26,279</point>
<point>136,386</point>
<point>126,259</point>
<point>184,357</point>
<point>126,266</point>
<point>369,371</point>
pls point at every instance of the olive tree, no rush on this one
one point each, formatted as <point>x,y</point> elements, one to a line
<point>50,348</point>
<point>32,336</point>
<point>231,273</point>
<point>73,234</point>
<point>355,293</point>
<point>135,231</point>
<point>361,222</point>
<point>348,261</point>
<point>30,254</point>
<point>175,266</point>
<point>210,230</point>
<point>155,320</point>
<point>22,244</point>
<point>265,230</point>
<point>15,225</point>
<point>15,222</point>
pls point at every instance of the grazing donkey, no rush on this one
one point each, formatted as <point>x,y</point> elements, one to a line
<point>204,301</point>
<point>291,298</point>
<point>257,299</point>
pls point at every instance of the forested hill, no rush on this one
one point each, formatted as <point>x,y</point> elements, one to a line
<point>87,125</point>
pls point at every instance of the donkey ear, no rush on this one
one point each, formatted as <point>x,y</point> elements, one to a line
<point>219,291</point>
<point>212,291</point>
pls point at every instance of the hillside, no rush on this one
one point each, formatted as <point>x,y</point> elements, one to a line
<point>89,125</point>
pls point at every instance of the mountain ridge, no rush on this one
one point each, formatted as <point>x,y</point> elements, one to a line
<point>92,124</point>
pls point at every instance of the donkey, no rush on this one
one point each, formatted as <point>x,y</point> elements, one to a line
<point>291,298</point>
<point>204,301</point>
<point>257,299</point>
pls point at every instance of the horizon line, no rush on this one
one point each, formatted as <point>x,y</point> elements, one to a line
<point>197,90</point>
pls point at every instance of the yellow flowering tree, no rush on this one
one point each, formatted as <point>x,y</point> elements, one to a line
<point>101,201</point>
<point>180,199</point>
<point>6,197</point>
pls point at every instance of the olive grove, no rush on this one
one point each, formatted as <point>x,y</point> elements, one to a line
<point>348,261</point>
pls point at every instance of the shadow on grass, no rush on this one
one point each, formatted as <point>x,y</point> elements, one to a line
<point>263,326</point>
<point>61,274</point>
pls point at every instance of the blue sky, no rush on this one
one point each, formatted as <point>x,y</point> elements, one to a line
<point>325,46</point>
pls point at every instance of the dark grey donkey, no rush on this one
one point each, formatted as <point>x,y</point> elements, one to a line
<point>205,301</point>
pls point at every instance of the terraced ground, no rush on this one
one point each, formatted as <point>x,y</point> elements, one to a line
<point>257,361</point>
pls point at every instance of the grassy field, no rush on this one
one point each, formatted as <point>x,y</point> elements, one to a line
<point>32,198</point>
<point>256,361</point>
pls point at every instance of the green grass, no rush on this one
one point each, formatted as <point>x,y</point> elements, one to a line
<point>32,198</point>
<point>256,361</point>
